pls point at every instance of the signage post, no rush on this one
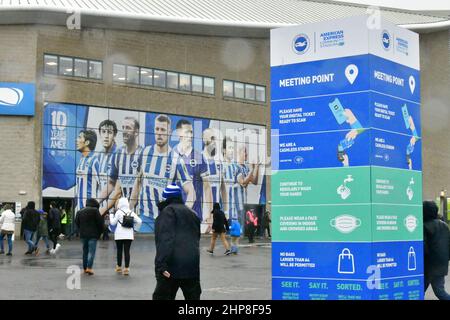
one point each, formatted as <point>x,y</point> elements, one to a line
<point>347,186</point>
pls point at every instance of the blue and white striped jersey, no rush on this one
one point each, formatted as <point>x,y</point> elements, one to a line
<point>87,179</point>
<point>215,176</point>
<point>192,167</point>
<point>105,160</point>
<point>231,171</point>
<point>125,168</point>
<point>158,170</point>
<point>242,191</point>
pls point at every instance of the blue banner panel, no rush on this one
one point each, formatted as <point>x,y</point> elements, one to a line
<point>331,260</point>
<point>332,76</point>
<point>394,79</point>
<point>333,112</point>
<point>322,150</point>
<point>393,114</point>
<point>403,288</point>
<point>17,99</point>
<point>395,151</point>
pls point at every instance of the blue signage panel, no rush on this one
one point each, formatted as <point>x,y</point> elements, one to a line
<point>323,150</point>
<point>394,79</point>
<point>17,99</point>
<point>393,114</point>
<point>333,112</point>
<point>395,150</point>
<point>309,79</point>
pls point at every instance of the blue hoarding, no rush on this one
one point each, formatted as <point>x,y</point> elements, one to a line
<point>17,99</point>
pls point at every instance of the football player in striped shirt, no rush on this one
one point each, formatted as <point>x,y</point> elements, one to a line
<point>192,171</point>
<point>87,172</point>
<point>125,165</point>
<point>213,157</point>
<point>248,174</point>
<point>157,171</point>
<point>108,131</point>
<point>231,175</point>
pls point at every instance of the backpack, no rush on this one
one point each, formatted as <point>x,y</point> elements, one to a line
<point>127,221</point>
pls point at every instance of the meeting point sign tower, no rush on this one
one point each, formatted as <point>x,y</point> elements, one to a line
<point>347,184</point>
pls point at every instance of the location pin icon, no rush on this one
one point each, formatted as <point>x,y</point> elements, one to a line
<point>351,72</point>
<point>412,84</point>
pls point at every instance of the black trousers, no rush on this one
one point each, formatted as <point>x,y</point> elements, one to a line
<point>167,288</point>
<point>123,245</point>
<point>54,236</point>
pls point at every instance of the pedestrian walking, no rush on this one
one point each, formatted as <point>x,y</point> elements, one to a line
<point>436,245</point>
<point>177,239</point>
<point>54,226</point>
<point>42,231</point>
<point>251,223</point>
<point>7,222</point>
<point>127,222</point>
<point>30,224</point>
<point>90,224</point>
<point>219,228</point>
<point>235,233</point>
<point>267,223</point>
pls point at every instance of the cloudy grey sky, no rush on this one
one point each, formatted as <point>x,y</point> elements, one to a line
<point>407,4</point>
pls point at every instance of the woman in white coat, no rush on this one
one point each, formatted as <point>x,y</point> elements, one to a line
<point>7,221</point>
<point>124,235</point>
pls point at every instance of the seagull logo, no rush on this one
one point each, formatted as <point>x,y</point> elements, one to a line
<point>301,44</point>
<point>10,97</point>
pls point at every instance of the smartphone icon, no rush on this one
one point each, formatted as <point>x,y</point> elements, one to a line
<point>405,115</point>
<point>338,111</point>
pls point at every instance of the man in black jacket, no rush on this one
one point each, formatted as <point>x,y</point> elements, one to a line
<point>436,237</point>
<point>90,223</point>
<point>177,238</point>
<point>54,226</point>
<point>30,224</point>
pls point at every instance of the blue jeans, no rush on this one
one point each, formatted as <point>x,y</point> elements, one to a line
<point>39,237</point>
<point>9,236</point>
<point>438,285</point>
<point>89,247</point>
<point>29,239</point>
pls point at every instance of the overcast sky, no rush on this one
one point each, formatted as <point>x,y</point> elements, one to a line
<point>407,4</point>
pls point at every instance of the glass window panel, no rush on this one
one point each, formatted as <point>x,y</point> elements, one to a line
<point>66,66</point>
<point>249,92</point>
<point>239,90</point>
<point>133,75</point>
<point>159,78</point>
<point>146,76</point>
<point>227,88</point>
<point>197,84</point>
<point>185,82</point>
<point>81,68</point>
<point>95,70</point>
<point>172,80</point>
<point>260,94</point>
<point>208,85</point>
<point>119,73</point>
<point>50,64</point>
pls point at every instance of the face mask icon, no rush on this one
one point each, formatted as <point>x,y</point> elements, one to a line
<point>410,223</point>
<point>345,223</point>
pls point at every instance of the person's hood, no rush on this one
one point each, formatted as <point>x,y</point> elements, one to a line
<point>31,205</point>
<point>430,211</point>
<point>123,205</point>
<point>9,211</point>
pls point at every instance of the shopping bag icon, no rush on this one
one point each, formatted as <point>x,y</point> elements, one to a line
<point>411,259</point>
<point>346,262</point>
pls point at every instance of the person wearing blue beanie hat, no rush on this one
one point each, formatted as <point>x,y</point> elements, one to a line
<point>172,191</point>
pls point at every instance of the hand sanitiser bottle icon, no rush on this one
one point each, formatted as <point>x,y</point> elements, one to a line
<point>412,265</point>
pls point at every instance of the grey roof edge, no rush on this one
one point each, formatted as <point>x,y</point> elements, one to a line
<point>40,14</point>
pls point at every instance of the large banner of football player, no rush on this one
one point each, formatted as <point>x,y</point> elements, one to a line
<point>105,153</point>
